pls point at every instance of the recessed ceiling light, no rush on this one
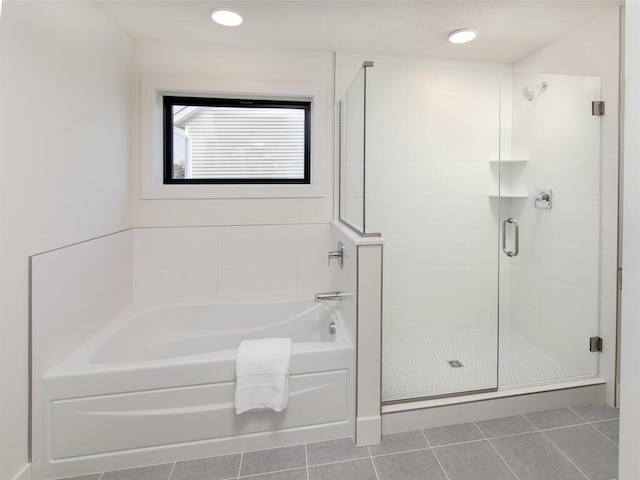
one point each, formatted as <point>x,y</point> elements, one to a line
<point>463,35</point>
<point>225,17</point>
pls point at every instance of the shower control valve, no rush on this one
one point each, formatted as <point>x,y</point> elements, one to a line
<point>542,198</point>
<point>339,254</point>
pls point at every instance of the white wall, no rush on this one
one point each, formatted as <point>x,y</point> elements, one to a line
<point>207,63</point>
<point>65,92</point>
<point>630,358</point>
<point>360,281</point>
<point>236,263</point>
<point>237,248</point>
<point>590,50</point>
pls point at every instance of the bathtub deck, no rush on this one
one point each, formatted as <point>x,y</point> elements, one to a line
<point>417,367</point>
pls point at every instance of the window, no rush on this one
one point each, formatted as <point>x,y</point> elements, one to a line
<point>235,141</point>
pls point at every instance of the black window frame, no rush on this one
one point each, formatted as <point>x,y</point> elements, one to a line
<point>168,101</point>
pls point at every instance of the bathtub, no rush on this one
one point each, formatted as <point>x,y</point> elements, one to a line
<point>157,385</point>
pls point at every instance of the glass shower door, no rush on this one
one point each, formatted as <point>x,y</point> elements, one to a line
<point>352,124</point>
<point>431,131</point>
<point>549,183</point>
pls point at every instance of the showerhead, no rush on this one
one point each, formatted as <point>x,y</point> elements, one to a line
<point>532,92</point>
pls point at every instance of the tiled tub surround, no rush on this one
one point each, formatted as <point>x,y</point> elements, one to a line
<point>580,443</point>
<point>160,384</point>
<point>164,267</point>
<point>193,264</point>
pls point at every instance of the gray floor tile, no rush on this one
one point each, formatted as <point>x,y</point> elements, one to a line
<point>554,418</point>
<point>500,427</point>
<point>400,442</point>
<point>463,432</point>
<point>473,461</point>
<point>589,450</point>
<point>153,472</point>
<point>610,429</point>
<point>594,413</point>
<point>533,457</point>
<point>350,470</point>
<point>93,476</point>
<point>334,451</point>
<point>273,460</point>
<point>297,474</point>
<point>215,468</point>
<point>418,465</point>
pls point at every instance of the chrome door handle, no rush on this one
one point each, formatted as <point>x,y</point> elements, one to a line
<point>516,232</point>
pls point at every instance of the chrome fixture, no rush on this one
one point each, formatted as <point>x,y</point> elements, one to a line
<point>516,232</point>
<point>333,327</point>
<point>532,92</point>
<point>339,254</point>
<point>329,296</point>
<point>542,198</point>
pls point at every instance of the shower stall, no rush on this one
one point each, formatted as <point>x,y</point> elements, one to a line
<point>485,185</point>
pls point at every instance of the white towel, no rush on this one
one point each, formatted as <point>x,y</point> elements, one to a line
<point>262,374</point>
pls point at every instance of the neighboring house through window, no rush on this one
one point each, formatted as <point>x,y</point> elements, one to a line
<point>221,140</point>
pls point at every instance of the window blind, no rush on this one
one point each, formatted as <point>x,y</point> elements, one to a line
<point>237,142</point>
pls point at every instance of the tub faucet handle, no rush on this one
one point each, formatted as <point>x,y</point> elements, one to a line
<point>339,254</point>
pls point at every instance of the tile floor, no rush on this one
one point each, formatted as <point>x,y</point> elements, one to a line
<point>568,444</point>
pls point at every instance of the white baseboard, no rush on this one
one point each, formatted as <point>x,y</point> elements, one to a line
<point>25,473</point>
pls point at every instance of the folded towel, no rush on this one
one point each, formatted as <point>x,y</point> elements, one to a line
<point>262,374</point>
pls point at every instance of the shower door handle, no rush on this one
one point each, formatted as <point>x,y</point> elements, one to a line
<point>516,236</point>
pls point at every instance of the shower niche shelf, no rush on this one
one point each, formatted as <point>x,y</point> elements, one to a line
<point>509,161</point>
<point>509,195</point>
<point>509,173</point>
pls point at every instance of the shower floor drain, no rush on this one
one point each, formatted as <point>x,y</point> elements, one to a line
<point>455,363</point>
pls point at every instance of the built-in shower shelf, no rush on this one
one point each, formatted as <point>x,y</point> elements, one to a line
<point>510,160</point>
<point>510,195</point>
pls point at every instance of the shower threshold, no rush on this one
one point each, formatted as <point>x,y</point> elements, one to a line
<point>497,394</point>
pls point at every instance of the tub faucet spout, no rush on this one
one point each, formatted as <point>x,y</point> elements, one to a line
<point>328,296</point>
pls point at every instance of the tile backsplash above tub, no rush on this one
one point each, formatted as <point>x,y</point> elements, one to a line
<point>210,263</point>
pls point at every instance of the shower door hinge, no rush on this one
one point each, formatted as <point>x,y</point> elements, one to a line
<point>597,108</point>
<point>595,344</point>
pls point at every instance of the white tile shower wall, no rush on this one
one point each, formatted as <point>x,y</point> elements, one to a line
<point>589,258</point>
<point>432,127</point>
<point>199,264</point>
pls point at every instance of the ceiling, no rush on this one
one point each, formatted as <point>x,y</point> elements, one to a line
<point>508,30</point>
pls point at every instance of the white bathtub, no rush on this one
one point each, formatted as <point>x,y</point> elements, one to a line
<point>157,385</point>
